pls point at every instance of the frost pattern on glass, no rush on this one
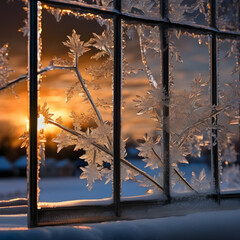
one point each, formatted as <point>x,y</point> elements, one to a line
<point>150,8</point>
<point>141,72</point>
<point>191,127</point>
<point>193,11</point>
<point>228,15</point>
<point>96,141</point>
<point>5,68</point>
<point>190,112</point>
<point>102,132</point>
<point>228,122</point>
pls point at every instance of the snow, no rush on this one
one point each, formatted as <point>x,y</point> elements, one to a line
<point>204,225</point>
<point>13,188</point>
<point>5,165</point>
<point>189,225</point>
<point>65,189</point>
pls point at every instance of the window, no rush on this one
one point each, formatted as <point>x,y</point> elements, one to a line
<point>174,88</point>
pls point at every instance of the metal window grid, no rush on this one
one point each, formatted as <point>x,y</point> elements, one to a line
<point>64,215</point>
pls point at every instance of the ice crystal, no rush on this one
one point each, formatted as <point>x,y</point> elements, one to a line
<point>191,125</point>
<point>76,47</point>
<point>25,28</point>
<point>44,110</point>
<point>231,176</point>
<point>189,11</point>
<point>25,139</point>
<point>103,71</point>
<point>91,173</point>
<point>5,68</point>
<point>142,7</point>
<point>104,3</point>
<point>63,139</point>
<point>154,101</point>
<point>103,42</point>
<point>61,62</point>
<point>201,182</point>
<point>228,13</point>
<point>229,154</point>
<point>127,173</point>
<point>151,151</point>
<point>177,155</point>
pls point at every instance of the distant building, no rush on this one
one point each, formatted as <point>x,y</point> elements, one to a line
<point>5,167</point>
<point>65,168</point>
<point>49,168</point>
<point>20,166</point>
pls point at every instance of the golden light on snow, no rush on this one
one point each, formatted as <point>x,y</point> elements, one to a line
<point>82,227</point>
<point>13,228</point>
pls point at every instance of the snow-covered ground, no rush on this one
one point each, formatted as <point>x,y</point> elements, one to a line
<point>203,225</point>
<point>64,189</point>
<point>72,188</point>
<point>221,225</point>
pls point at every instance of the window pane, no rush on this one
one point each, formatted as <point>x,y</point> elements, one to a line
<point>79,94</point>
<point>190,113</point>
<point>228,119</point>
<point>13,101</point>
<point>228,15</point>
<point>142,110</point>
<point>192,11</point>
<point>149,8</point>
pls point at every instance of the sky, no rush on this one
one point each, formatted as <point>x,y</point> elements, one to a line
<point>14,104</point>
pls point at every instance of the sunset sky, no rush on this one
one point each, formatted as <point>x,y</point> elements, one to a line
<point>14,113</point>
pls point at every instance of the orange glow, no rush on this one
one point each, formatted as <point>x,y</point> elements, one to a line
<point>42,125</point>
<point>82,227</point>
<point>13,228</point>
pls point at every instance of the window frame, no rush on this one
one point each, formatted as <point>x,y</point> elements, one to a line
<point>118,209</point>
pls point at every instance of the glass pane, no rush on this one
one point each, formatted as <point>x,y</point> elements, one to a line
<point>141,111</point>
<point>78,91</point>
<point>191,11</point>
<point>228,15</point>
<point>148,8</point>
<point>190,114</point>
<point>13,101</point>
<point>228,119</point>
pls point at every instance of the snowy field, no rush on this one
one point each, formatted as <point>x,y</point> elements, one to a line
<point>203,225</point>
<point>72,188</point>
